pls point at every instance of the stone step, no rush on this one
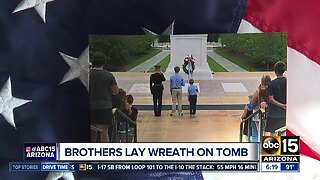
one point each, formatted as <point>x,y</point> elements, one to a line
<point>198,74</point>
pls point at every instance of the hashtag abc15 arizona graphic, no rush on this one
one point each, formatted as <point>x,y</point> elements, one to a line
<point>280,145</point>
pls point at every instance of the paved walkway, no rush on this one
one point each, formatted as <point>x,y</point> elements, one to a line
<point>212,92</point>
<point>206,126</point>
<point>229,66</point>
<point>148,64</point>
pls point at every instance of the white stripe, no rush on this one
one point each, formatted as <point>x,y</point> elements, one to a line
<point>303,94</point>
<point>303,89</point>
<point>303,113</point>
<point>246,27</point>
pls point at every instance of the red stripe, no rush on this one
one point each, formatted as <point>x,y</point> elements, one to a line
<point>304,148</point>
<point>300,19</point>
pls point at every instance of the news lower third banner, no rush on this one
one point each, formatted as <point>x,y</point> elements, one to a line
<point>132,166</point>
<point>278,154</point>
<point>139,157</point>
<point>127,152</point>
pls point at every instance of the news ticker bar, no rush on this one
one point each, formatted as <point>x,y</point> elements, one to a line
<point>98,167</point>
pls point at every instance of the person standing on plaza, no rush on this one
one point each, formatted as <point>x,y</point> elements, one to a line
<point>102,85</point>
<point>192,97</point>
<point>156,88</point>
<point>277,90</point>
<point>176,83</point>
<point>133,117</point>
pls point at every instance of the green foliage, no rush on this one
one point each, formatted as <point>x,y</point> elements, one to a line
<point>185,70</point>
<point>145,56</point>
<point>241,60</point>
<point>120,50</point>
<point>213,37</point>
<point>164,39</point>
<point>214,66</point>
<point>264,49</point>
<point>163,63</point>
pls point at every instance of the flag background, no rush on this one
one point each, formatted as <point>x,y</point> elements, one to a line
<point>299,20</point>
<point>29,55</point>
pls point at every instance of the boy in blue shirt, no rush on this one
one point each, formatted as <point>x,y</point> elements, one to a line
<point>192,97</point>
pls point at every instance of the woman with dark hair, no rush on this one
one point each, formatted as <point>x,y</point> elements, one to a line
<point>258,100</point>
<point>120,102</point>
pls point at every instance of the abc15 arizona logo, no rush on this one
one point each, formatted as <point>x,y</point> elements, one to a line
<point>280,145</point>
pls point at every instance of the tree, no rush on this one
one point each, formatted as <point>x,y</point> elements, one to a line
<point>262,48</point>
<point>119,50</point>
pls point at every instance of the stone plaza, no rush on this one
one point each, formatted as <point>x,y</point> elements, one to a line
<point>220,104</point>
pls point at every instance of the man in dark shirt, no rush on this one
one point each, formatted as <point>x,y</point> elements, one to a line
<point>277,91</point>
<point>156,88</point>
<point>101,86</point>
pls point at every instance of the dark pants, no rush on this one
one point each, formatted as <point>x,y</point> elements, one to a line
<point>193,104</point>
<point>157,103</point>
<point>275,123</point>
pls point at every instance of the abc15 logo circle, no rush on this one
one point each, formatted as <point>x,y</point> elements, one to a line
<point>280,145</point>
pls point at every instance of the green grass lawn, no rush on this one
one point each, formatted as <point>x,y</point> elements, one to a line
<point>242,61</point>
<point>214,66</point>
<point>163,63</point>
<point>138,60</point>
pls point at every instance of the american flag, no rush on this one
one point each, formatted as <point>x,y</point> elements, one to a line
<point>298,20</point>
<point>39,39</point>
<point>32,40</point>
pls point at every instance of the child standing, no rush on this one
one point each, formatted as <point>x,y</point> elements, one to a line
<point>192,97</point>
<point>133,117</point>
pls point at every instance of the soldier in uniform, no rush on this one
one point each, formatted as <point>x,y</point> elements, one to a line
<point>156,88</point>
